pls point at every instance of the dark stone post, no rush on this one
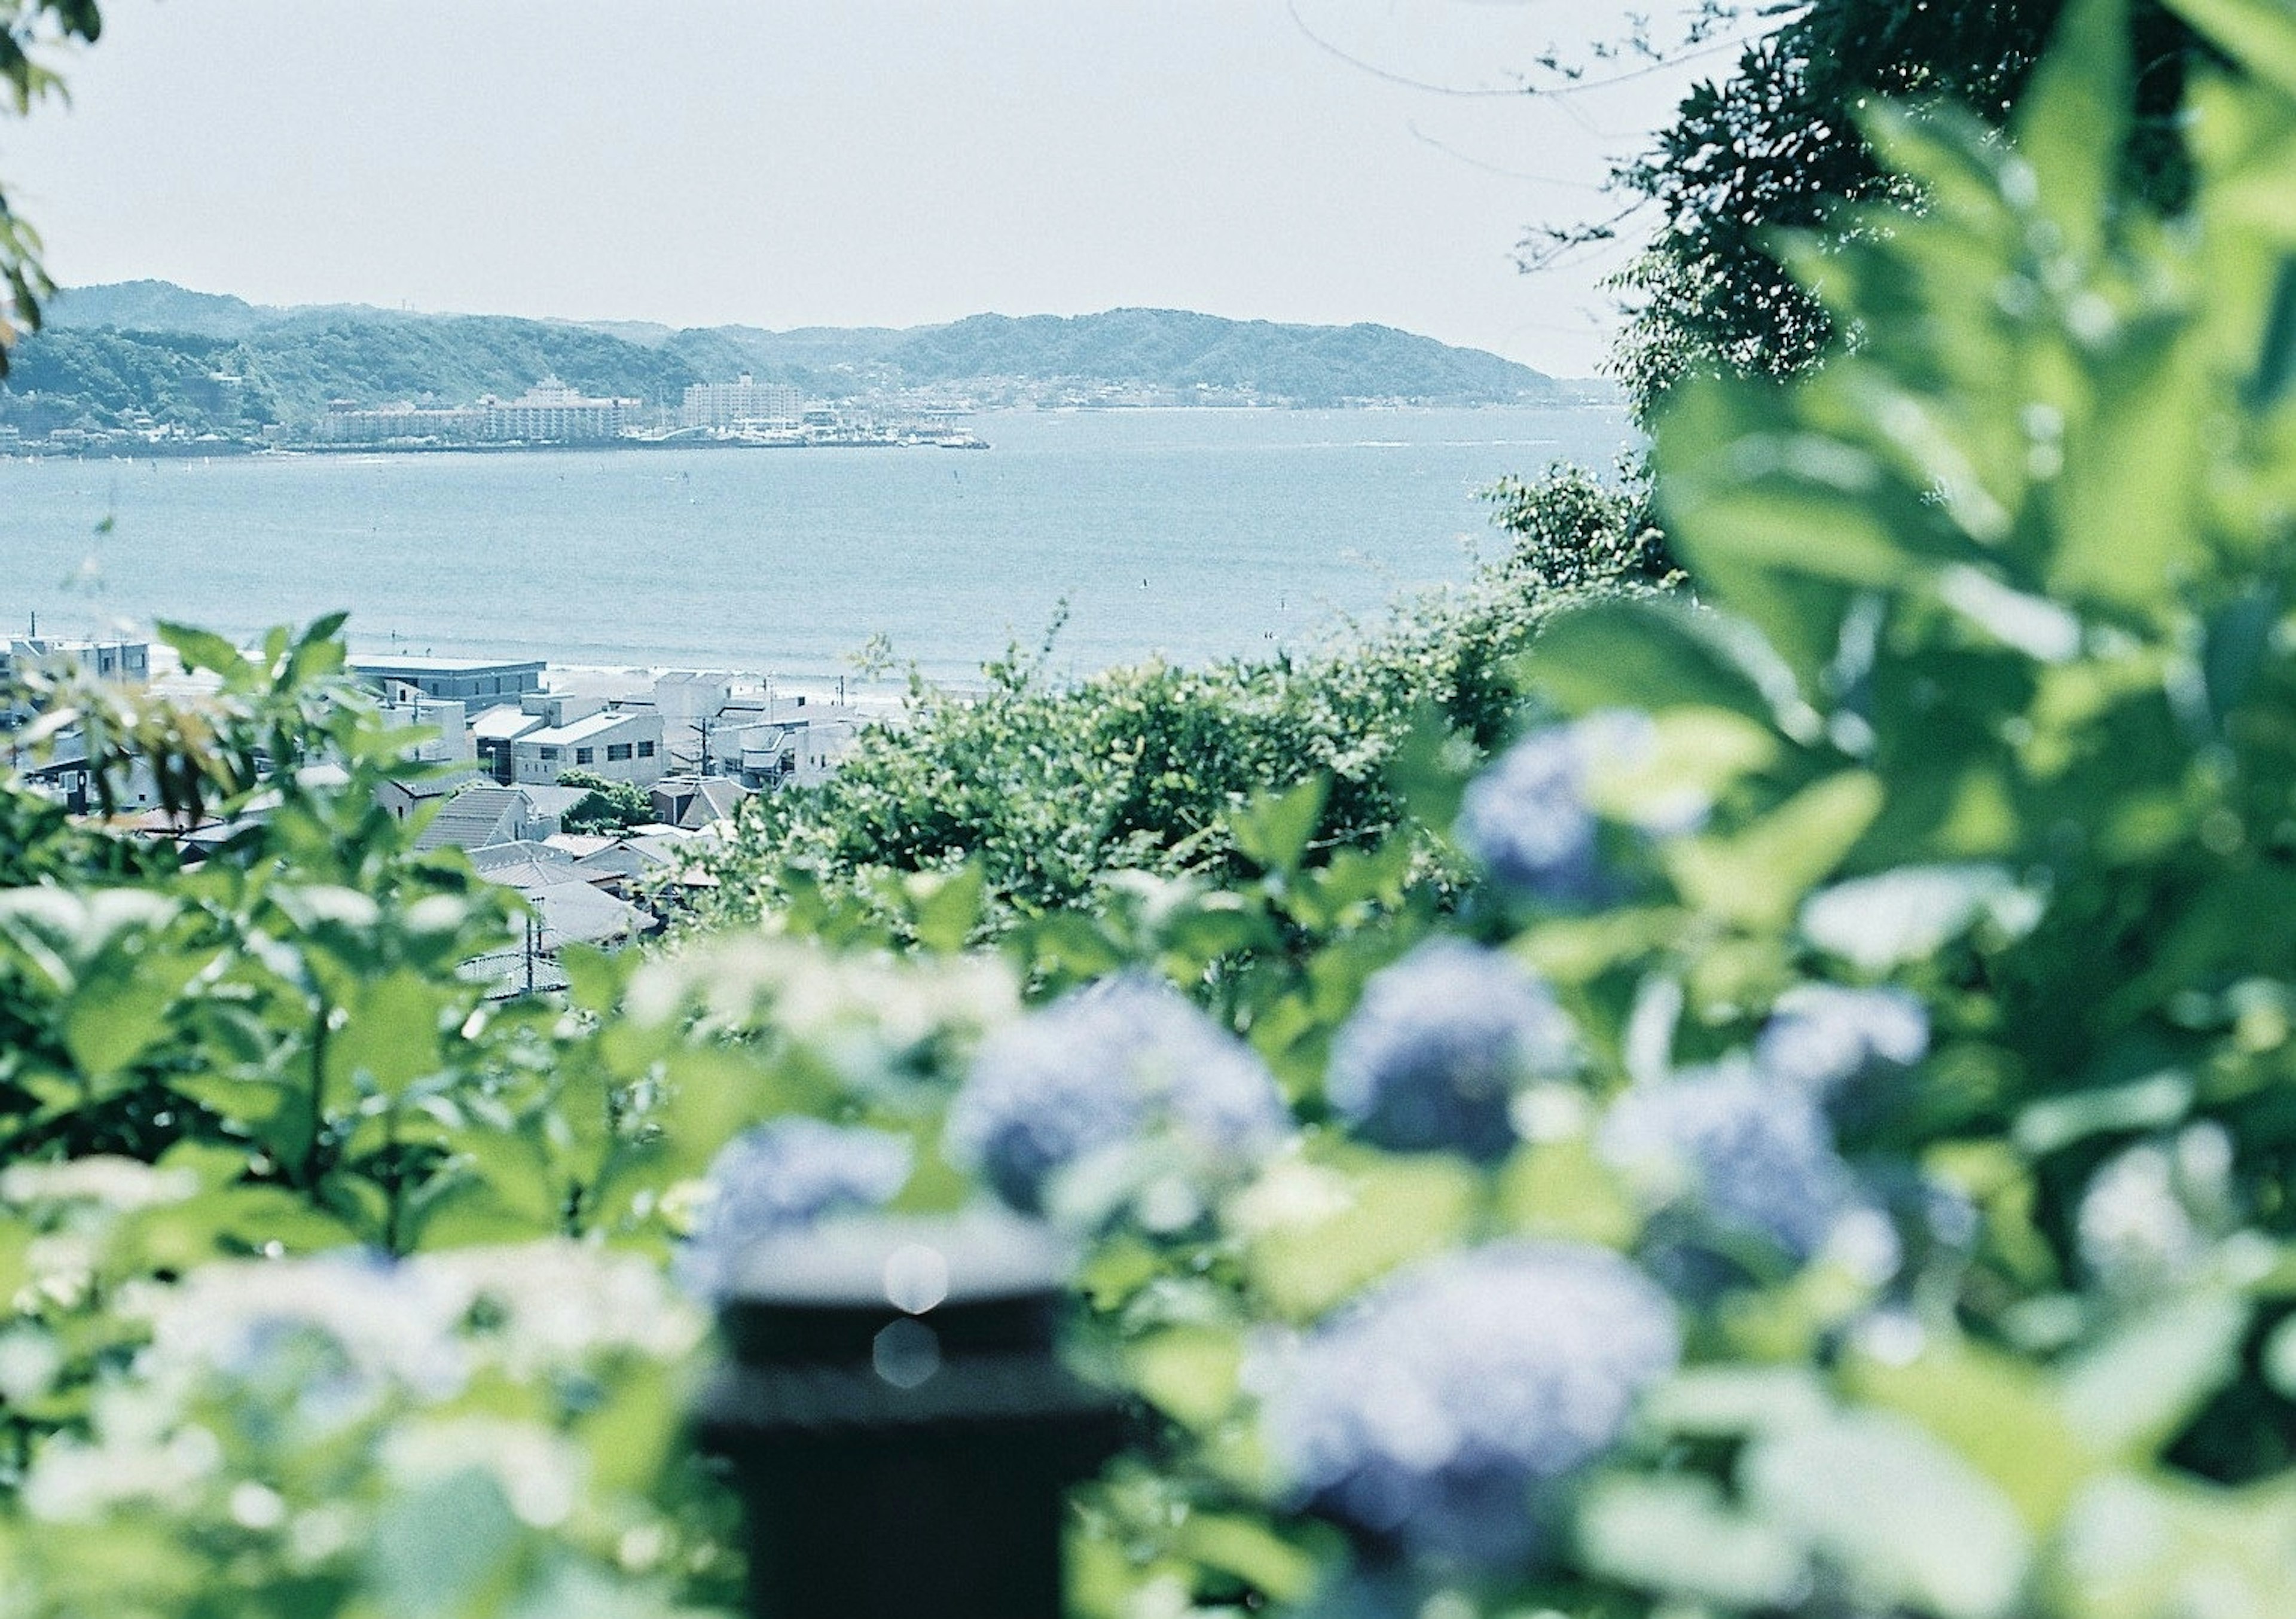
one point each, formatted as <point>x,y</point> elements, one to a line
<point>896,1422</point>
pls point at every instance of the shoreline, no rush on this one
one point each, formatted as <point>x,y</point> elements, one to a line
<point>247,449</point>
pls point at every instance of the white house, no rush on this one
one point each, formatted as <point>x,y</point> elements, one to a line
<point>621,745</point>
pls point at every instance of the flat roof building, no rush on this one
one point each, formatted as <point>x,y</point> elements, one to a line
<point>474,682</point>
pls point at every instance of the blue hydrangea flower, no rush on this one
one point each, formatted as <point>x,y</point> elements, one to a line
<point>1431,1058</point>
<point>1528,819</point>
<point>1823,1038</point>
<point>1431,1414</point>
<point>1743,1158</point>
<point>1122,1061</point>
<point>789,1173</point>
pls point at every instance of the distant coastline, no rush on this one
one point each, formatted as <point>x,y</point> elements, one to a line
<point>130,446</point>
<point>147,368</point>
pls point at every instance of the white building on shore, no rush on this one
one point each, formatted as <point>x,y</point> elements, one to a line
<point>745,404</point>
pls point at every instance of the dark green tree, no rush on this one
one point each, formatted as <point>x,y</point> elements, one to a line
<point>1778,146</point>
<point>611,806</point>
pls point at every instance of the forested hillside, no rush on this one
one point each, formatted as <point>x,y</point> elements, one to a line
<point>217,364</point>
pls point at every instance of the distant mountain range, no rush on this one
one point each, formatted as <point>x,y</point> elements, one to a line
<point>209,363</point>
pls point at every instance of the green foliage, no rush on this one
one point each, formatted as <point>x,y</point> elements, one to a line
<point>1572,530</point>
<point>1048,790</point>
<point>1780,147</point>
<point>611,806</point>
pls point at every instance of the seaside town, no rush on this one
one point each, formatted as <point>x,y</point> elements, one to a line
<point>550,414</point>
<point>746,412</point>
<point>512,774</point>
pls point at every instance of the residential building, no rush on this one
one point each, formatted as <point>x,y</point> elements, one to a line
<point>408,706</point>
<point>745,404</point>
<point>474,681</point>
<point>691,802</point>
<point>347,422</point>
<point>621,745</point>
<point>478,816</point>
<point>552,412</point>
<point>126,660</point>
<point>798,745</point>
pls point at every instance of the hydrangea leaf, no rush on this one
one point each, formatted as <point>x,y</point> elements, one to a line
<point>2074,121</point>
<point>440,1548</point>
<point>1905,1520</point>
<point>1677,1535</point>
<point>1759,876</point>
<point>1561,1188</point>
<point>1191,1374</point>
<point>1735,1401</point>
<point>1997,1413</point>
<point>2136,1548</point>
<point>2133,1394</point>
<point>1394,1210</point>
<point>2259,35</point>
<point>1249,1550</point>
<point>1647,655</point>
<point>1910,914</point>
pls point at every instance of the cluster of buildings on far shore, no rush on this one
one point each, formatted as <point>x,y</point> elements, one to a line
<point>501,735</point>
<point>551,413</point>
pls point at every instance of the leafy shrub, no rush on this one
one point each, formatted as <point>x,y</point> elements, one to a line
<point>609,807</point>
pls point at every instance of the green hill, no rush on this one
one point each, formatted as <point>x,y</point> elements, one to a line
<point>214,363</point>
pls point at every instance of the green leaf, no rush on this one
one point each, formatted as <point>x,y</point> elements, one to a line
<point>1193,1374</point>
<point>2000,1414</point>
<point>201,649</point>
<point>1759,876</point>
<point>1910,914</point>
<point>945,906</point>
<point>2072,123</point>
<point>1275,828</point>
<point>1250,1552</point>
<point>1735,1402</point>
<point>1652,656</point>
<point>2259,35</point>
<point>1906,1521</point>
<point>441,1545</point>
<point>1380,1212</point>
<point>392,1030</point>
<point>2140,1548</point>
<point>2136,1390</point>
<point>1677,1535</point>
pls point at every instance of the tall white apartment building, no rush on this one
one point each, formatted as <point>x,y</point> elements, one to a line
<point>552,412</point>
<point>742,404</point>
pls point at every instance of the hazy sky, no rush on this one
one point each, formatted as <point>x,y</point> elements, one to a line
<point>842,162</point>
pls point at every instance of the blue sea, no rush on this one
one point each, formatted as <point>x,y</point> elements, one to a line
<point>1192,534</point>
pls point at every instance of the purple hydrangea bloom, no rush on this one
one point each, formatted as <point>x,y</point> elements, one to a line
<point>1431,1414</point>
<point>1120,1061</point>
<point>1821,1038</point>
<point>789,1173</point>
<point>1743,1158</point>
<point>1431,1058</point>
<point>1528,818</point>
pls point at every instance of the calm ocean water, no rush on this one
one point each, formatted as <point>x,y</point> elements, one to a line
<point>1192,534</point>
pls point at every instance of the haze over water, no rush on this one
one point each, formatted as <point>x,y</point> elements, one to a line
<point>1194,535</point>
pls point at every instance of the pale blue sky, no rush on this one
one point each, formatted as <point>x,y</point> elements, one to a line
<point>860,161</point>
